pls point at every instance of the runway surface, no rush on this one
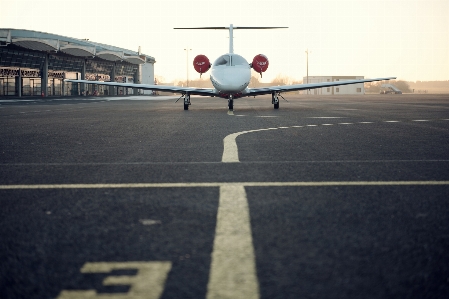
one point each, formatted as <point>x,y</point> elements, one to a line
<point>327,197</point>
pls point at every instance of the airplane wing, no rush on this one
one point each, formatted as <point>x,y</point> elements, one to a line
<point>286,88</point>
<point>175,89</point>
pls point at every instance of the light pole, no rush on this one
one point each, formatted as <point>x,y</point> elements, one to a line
<point>187,52</point>
<point>307,58</point>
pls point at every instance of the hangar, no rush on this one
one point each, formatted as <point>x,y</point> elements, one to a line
<point>336,90</point>
<point>31,59</point>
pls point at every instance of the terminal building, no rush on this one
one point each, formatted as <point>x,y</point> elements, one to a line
<point>36,63</point>
<point>356,89</point>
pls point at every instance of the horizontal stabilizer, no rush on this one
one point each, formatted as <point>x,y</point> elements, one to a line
<point>226,28</point>
<point>230,28</point>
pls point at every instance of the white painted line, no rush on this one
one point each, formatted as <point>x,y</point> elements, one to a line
<point>420,120</point>
<point>220,184</point>
<point>230,149</point>
<point>266,116</point>
<point>327,117</point>
<point>149,221</point>
<point>233,268</point>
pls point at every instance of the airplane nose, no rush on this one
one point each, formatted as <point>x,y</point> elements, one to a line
<point>232,80</point>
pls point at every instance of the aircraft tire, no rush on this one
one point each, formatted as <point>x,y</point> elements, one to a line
<point>186,107</point>
<point>276,106</point>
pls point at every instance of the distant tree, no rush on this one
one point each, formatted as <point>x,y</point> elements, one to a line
<point>254,82</point>
<point>281,80</point>
<point>372,87</point>
<point>199,82</point>
<point>285,80</point>
<point>159,79</point>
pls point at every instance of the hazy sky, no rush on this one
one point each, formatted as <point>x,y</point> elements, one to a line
<point>372,38</point>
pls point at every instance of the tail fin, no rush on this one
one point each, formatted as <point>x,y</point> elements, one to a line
<point>231,34</point>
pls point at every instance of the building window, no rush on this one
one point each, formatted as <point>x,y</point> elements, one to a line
<point>337,89</point>
<point>328,89</point>
<point>359,90</point>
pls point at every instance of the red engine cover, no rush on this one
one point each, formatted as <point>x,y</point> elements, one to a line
<point>201,63</point>
<point>260,63</point>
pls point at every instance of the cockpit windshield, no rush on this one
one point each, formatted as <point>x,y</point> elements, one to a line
<point>238,60</point>
<point>230,60</point>
<point>223,60</point>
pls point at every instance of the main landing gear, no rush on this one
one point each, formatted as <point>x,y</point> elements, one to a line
<point>231,103</point>
<point>186,101</point>
<point>275,100</point>
<point>186,97</point>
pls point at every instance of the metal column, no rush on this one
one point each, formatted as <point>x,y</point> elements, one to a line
<point>112,88</point>
<point>83,77</point>
<point>19,84</point>
<point>44,79</point>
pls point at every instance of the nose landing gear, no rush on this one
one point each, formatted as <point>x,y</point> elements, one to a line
<point>231,103</point>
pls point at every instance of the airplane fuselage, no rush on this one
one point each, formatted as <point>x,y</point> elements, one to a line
<point>230,74</point>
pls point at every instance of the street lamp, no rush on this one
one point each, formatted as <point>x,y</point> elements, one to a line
<point>307,58</point>
<point>187,52</point>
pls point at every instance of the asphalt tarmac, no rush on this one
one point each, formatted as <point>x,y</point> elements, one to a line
<point>327,197</point>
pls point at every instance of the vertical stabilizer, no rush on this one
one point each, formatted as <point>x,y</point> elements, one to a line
<point>231,39</point>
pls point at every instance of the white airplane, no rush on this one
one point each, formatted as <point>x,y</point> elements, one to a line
<point>230,76</point>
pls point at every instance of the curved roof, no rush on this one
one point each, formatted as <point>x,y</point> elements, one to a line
<point>41,41</point>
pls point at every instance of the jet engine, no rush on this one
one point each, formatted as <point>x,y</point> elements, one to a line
<point>260,63</point>
<point>201,64</point>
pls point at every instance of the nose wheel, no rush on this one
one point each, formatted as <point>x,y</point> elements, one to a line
<point>231,103</point>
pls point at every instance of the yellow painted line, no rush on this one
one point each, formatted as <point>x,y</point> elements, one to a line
<point>220,184</point>
<point>230,150</point>
<point>233,267</point>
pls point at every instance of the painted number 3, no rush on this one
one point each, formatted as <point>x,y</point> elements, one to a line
<point>147,283</point>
